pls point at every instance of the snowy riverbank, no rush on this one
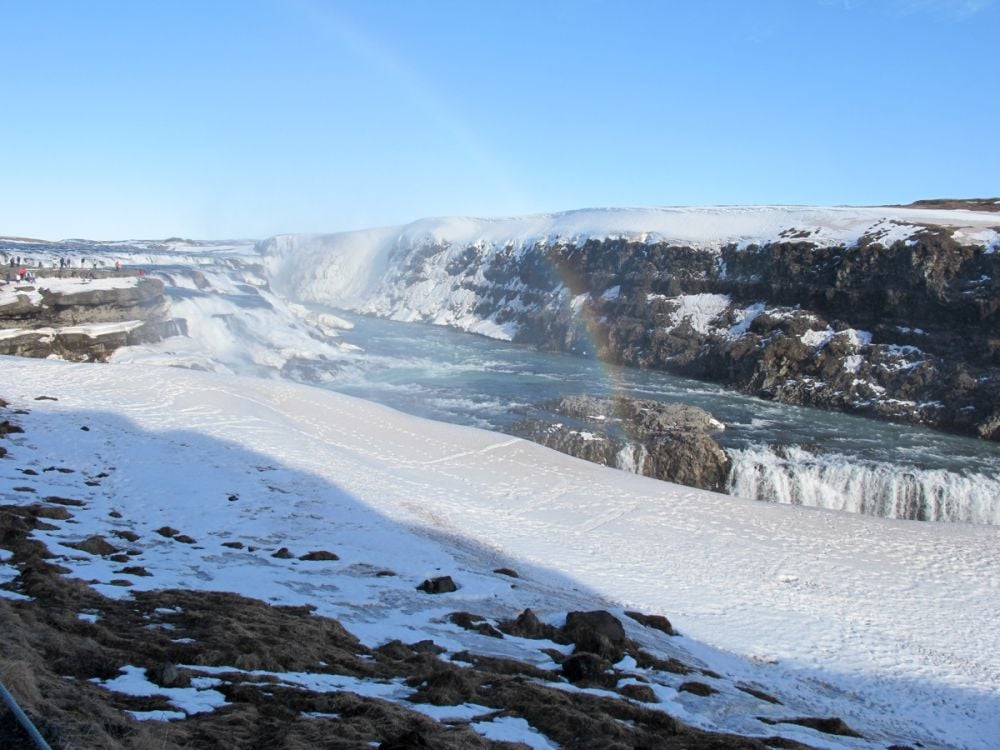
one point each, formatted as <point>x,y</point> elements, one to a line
<point>888,624</point>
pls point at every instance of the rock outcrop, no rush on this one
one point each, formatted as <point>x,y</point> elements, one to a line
<point>84,324</point>
<point>672,442</point>
<point>907,332</point>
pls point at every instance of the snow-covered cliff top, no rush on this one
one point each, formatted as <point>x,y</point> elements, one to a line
<point>709,226</point>
<point>347,265</point>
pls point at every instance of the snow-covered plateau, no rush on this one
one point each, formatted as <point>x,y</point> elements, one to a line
<point>218,456</point>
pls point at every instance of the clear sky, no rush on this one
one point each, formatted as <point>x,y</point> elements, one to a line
<point>212,119</point>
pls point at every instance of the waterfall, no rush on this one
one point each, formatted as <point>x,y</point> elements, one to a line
<point>631,458</point>
<point>839,482</point>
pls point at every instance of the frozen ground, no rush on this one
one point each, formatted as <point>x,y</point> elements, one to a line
<point>890,625</point>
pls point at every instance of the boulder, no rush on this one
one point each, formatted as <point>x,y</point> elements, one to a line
<point>596,632</point>
<point>439,585</point>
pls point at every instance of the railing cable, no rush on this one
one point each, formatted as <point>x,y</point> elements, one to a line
<point>22,719</point>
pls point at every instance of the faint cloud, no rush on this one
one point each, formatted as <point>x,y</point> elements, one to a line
<point>955,9</point>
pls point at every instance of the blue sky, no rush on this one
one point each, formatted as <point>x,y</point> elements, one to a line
<point>221,119</point>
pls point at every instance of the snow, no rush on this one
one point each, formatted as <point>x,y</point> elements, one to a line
<point>889,624</point>
<point>745,318</point>
<point>196,699</point>
<point>612,294</point>
<point>513,729</point>
<point>699,310</point>
<point>817,339</point>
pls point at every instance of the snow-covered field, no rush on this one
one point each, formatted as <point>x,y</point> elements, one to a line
<point>890,625</point>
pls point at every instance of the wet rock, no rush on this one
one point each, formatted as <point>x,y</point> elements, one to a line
<point>438,585</point>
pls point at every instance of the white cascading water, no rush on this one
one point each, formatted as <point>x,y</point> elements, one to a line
<point>631,458</point>
<point>798,477</point>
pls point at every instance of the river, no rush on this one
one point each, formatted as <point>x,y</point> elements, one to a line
<point>780,453</point>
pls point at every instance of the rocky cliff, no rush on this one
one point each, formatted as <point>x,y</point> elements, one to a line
<point>886,312</point>
<point>80,318</point>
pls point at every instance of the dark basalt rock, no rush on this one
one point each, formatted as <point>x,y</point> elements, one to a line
<point>527,625</point>
<point>319,555</point>
<point>144,302</point>
<point>585,667</point>
<point>597,632</point>
<point>439,585</point>
<point>656,622</point>
<point>672,442</point>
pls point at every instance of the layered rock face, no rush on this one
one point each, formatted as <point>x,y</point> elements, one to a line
<point>909,332</point>
<point>672,442</point>
<point>83,323</point>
